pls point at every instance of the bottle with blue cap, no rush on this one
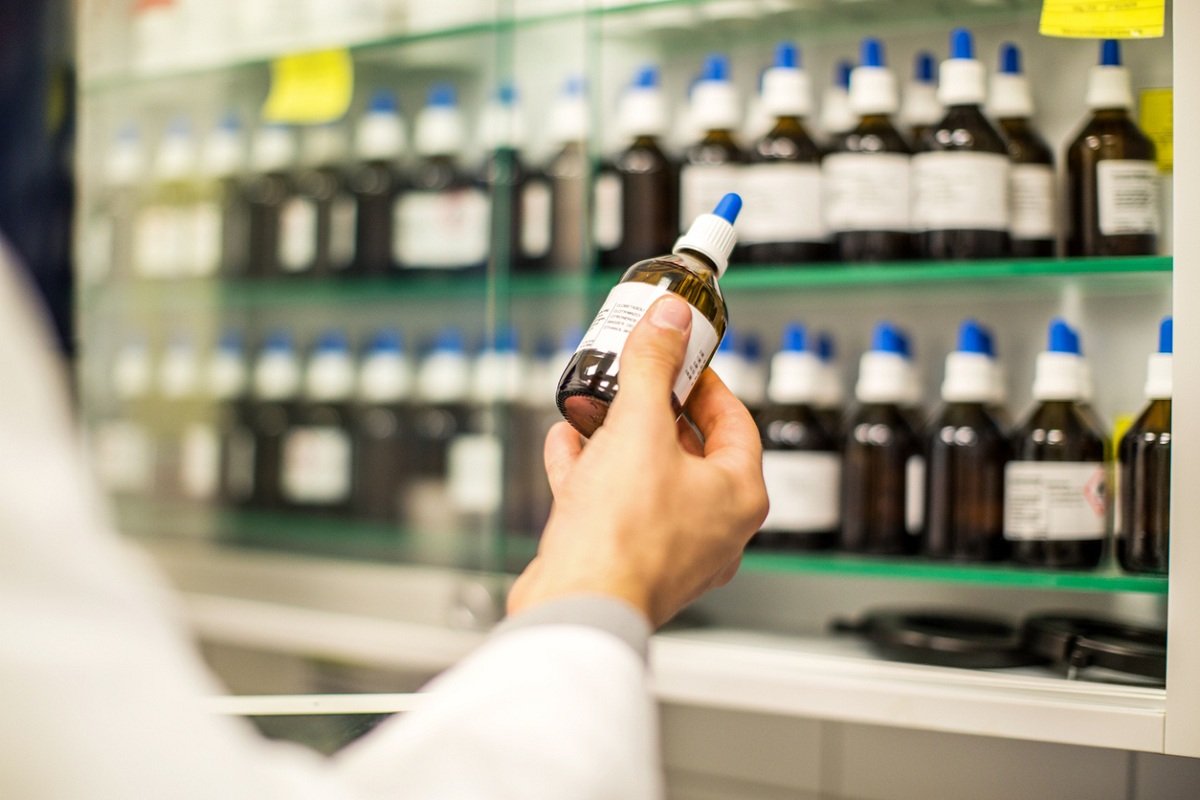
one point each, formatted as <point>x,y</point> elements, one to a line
<point>379,144</point>
<point>320,227</point>
<point>179,449</point>
<point>1055,488</point>
<point>382,428</point>
<point>883,469</point>
<point>920,108</point>
<point>164,241</point>
<point>107,246</point>
<point>442,218</point>
<point>122,442</point>
<point>837,119</point>
<point>226,386</point>
<point>275,388</point>
<point>967,450</point>
<point>831,393</point>
<point>866,173</point>
<point>802,463</point>
<point>221,214</point>
<point>700,257</point>
<point>649,179</point>
<point>782,184</point>
<point>570,172</point>
<point>1112,177</point>
<point>1033,226</point>
<point>273,154</point>
<point>960,172</point>
<point>1143,518</point>
<point>713,165</point>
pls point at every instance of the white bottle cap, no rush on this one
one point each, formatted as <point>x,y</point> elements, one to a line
<point>274,149</point>
<point>921,106</point>
<point>1109,84</point>
<point>179,371</point>
<point>836,115</point>
<point>123,161</point>
<point>963,79</point>
<point>224,149</point>
<point>444,376</point>
<point>176,156</point>
<point>796,371</point>
<point>498,371</point>
<point>729,366</point>
<point>971,369</point>
<point>715,104</point>
<point>380,135</point>
<point>786,89</point>
<point>324,145</point>
<point>277,371</point>
<point>872,84</point>
<point>712,235</point>
<point>502,126</point>
<point>131,374</point>
<point>439,129</point>
<point>330,374</point>
<point>569,115</point>
<point>1159,373</point>
<point>1009,96</point>
<point>642,110</point>
<point>885,372</point>
<point>226,377</point>
<point>1060,373</point>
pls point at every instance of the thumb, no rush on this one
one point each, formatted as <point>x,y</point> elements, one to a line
<point>650,362</point>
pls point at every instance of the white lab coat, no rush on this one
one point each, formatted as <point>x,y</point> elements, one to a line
<point>100,686</point>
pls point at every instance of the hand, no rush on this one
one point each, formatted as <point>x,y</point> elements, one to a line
<point>647,511</point>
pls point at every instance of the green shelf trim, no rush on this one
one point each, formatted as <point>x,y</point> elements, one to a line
<point>914,569</point>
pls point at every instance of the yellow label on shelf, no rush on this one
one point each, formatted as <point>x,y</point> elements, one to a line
<point>310,88</point>
<point>1103,19</point>
<point>1121,426</point>
<point>1157,121</point>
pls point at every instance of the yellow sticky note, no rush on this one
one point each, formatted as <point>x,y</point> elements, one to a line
<point>1157,121</point>
<point>310,88</point>
<point>1104,19</point>
<point>1121,426</point>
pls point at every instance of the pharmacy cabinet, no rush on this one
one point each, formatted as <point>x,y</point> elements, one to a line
<point>330,263</point>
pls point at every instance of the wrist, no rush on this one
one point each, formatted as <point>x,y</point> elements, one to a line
<point>538,585</point>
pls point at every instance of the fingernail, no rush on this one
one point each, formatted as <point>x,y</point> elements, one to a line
<point>671,313</point>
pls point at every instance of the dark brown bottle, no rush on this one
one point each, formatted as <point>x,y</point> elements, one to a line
<point>322,240</point>
<point>712,166</point>
<point>1112,178</point>
<point>649,202</point>
<point>226,388</point>
<point>516,192</point>
<point>569,173</point>
<point>919,108</point>
<point>223,212</point>
<point>376,182</point>
<point>382,436</point>
<point>276,387</point>
<point>267,192</point>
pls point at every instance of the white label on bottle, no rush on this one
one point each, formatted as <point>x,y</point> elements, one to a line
<point>914,495</point>
<point>624,307</point>
<point>155,241</point>
<point>124,456</point>
<point>474,465</point>
<point>535,219</point>
<point>205,239</point>
<point>1031,201</point>
<point>343,231</point>
<point>316,465</point>
<point>606,211</point>
<point>866,191</point>
<point>803,490</point>
<point>960,191</point>
<point>1128,197</point>
<point>297,234</point>
<point>783,203</point>
<point>441,230</point>
<point>199,463</point>
<point>701,187</point>
<point>1054,500</point>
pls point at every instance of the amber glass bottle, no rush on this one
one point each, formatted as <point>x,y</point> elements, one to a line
<point>507,177</point>
<point>382,429</point>
<point>222,215</point>
<point>1112,178</point>
<point>268,190</point>
<point>919,108</point>
<point>276,386</point>
<point>319,222</point>
<point>569,172</point>
<point>378,143</point>
<point>713,165</point>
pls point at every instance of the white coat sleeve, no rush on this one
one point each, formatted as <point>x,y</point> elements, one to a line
<point>101,687</point>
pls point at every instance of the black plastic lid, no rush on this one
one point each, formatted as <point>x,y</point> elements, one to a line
<point>942,638</point>
<point>1079,641</point>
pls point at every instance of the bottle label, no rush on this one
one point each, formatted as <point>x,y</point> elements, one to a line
<point>783,203</point>
<point>474,464</point>
<point>343,231</point>
<point>535,219</point>
<point>960,191</point>
<point>1031,201</point>
<point>205,239</point>
<point>297,234</point>
<point>441,230</point>
<point>155,241</point>
<point>624,308</point>
<point>199,462</point>
<point>701,187</point>
<point>914,495</point>
<point>316,465</point>
<point>866,192</point>
<point>1054,500</point>
<point>803,490</point>
<point>1128,197</point>
<point>606,213</point>
<point>124,456</point>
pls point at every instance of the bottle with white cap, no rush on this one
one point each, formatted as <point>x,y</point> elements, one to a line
<point>317,466</point>
<point>782,184</point>
<point>866,174</point>
<point>883,471</point>
<point>700,257</point>
<point>649,179</point>
<point>379,144</point>
<point>960,172</point>
<point>226,387</point>
<point>684,130</point>
<point>1055,493</point>
<point>831,393</point>
<point>837,119</point>
<point>442,219</point>
<point>122,446</point>
<point>382,428</point>
<point>273,153</point>
<point>713,165</point>
<point>275,387</point>
<point>222,212</point>
<point>1143,518</point>
<point>1112,178</point>
<point>569,171</point>
<point>920,108</point>
<point>163,236</point>
<point>320,226</point>
<point>967,450</point>
<point>1033,219</point>
<point>108,245</point>
<point>802,463</point>
<point>184,463</point>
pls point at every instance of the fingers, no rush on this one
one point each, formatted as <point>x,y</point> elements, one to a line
<point>688,438</point>
<point>560,453</point>
<point>723,421</point>
<point>650,362</point>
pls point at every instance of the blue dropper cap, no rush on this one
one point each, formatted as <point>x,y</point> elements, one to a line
<point>841,73</point>
<point>974,338</point>
<point>331,341</point>
<point>1010,59</point>
<point>646,77</point>
<point>504,340</point>
<point>871,53</point>
<point>787,56</point>
<point>795,338</point>
<point>442,95</point>
<point>826,351</point>
<point>1166,335</point>
<point>386,340</point>
<point>962,44</point>
<point>230,122</point>
<point>575,86</point>
<point>887,338</point>
<point>448,340</point>
<point>506,93</point>
<point>1062,339</point>
<point>729,207</point>
<point>382,102</point>
<point>727,341</point>
<point>278,341</point>
<point>571,338</point>
<point>544,347</point>
<point>716,68</point>
<point>1110,53</point>
<point>924,66</point>
<point>751,347</point>
<point>231,341</point>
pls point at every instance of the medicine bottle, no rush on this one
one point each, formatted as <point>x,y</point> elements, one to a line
<point>713,165</point>
<point>379,142</point>
<point>221,214</point>
<point>320,228</point>
<point>275,389</point>
<point>268,189</point>
<point>382,428</point>
<point>920,108</point>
